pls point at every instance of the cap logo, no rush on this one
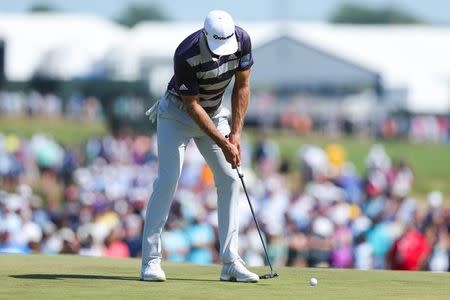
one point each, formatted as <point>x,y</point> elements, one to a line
<point>222,37</point>
<point>216,37</point>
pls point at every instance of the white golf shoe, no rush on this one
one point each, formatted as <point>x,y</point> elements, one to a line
<point>236,271</point>
<point>152,271</point>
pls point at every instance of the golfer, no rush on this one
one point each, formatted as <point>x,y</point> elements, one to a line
<point>204,64</point>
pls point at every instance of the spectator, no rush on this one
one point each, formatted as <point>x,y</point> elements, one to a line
<point>409,252</point>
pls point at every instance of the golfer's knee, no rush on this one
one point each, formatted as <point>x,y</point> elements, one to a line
<point>227,181</point>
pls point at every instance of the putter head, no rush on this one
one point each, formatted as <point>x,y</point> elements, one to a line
<point>269,276</point>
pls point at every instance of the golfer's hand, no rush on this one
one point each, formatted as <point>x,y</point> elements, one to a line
<point>235,139</point>
<point>232,154</point>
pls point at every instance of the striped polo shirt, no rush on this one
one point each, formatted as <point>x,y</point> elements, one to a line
<point>198,73</point>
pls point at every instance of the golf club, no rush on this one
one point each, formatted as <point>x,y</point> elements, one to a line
<point>272,274</point>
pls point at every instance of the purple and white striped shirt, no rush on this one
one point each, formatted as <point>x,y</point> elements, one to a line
<point>198,73</point>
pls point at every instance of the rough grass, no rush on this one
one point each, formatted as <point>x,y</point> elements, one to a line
<point>75,277</point>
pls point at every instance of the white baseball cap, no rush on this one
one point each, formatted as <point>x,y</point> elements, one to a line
<point>219,31</point>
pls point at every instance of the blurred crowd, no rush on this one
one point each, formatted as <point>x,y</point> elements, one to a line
<point>418,129</point>
<point>320,115</point>
<point>91,200</point>
<point>49,105</point>
<point>335,116</point>
<point>77,105</point>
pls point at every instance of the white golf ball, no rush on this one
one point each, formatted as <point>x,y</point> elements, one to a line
<point>313,281</point>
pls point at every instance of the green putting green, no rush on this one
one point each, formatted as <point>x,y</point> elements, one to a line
<point>76,277</point>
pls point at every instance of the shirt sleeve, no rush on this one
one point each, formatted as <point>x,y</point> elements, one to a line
<point>186,82</point>
<point>246,60</point>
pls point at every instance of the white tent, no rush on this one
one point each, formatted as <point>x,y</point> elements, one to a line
<point>59,45</point>
<point>414,57</point>
<point>411,58</point>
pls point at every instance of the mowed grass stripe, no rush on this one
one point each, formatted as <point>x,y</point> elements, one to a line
<point>75,277</point>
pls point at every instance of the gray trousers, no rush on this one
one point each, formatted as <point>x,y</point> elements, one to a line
<point>174,130</point>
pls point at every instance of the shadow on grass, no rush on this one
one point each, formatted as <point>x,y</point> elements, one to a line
<point>93,277</point>
<point>194,279</point>
<point>73,276</point>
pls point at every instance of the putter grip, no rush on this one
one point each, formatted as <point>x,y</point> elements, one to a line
<point>239,171</point>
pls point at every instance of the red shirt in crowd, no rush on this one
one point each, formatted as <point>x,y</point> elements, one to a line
<point>409,251</point>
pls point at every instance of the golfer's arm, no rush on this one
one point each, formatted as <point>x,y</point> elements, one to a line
<point>239,101</point>
<point>199,115</point>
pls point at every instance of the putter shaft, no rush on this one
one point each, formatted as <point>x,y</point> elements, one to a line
<point>272,274</point>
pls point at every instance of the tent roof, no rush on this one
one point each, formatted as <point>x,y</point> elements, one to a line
<point>414,57</point>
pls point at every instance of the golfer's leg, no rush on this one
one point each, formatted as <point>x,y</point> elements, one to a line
<point>172,141</point>
<point>227,185</point>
